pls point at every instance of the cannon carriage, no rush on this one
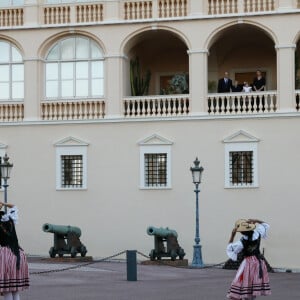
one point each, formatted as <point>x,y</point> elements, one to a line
<point>165,244</point>
<point>66,240</point>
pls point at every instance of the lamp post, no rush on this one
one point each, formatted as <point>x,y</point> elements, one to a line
<point>197,174</point>
<point>5,167</point>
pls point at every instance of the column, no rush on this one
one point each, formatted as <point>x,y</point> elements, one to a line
<point>31,13</point>
<point>32,88</point>
<point>114,85</point>
<point>112,10</point>
<point>198,7</point>
<point>286,77</point>
<point>284,5</point>
<point>198,80</point>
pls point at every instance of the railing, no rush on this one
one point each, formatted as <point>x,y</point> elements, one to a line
<point>89,13</point>
<point>172,8</point>
<point>11,17</point>
<point>57,14</point>
<point>216,7</point>
<point>297,99</point>
<point>242,103</point>
<point>156,106</point>
<point>259,5</point>
<point>11,112</point>
<point>72,110</point>
<point>138,10</point>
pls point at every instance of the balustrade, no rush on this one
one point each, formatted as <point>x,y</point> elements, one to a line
<point>72,110</point>
<point>172,8</point>
<point>57,14</point>
<point>216,7</point>
<point>11,17</point>
<point>89,13</point>
<point>138,10</point>
<point>259,5</point>
<point>156,106</point>
<point>242,103</point>
<point>11,112</point>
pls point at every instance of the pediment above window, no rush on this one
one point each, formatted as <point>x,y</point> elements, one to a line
<point>241,136</point>
<point>70,141</point>
<point>155,139</point>
<point>3,146</point>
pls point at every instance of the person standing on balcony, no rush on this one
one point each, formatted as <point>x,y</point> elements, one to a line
<point>225,84</point>
<point>259,82</point>
<point>14,276</point>
<point>252,277</point>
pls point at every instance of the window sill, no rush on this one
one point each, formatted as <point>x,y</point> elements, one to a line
<point>155,188</point>
<point>72,189</point>
<point>241,186</point>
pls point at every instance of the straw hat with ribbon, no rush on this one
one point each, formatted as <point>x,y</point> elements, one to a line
<point>243,225</point>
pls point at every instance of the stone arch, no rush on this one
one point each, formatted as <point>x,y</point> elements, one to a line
<point>162,51</point>
<point>241,48</point>
<point>13,42</point>
<point>50,41</point>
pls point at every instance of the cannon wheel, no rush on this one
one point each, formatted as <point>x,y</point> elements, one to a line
<point>83,251</point>
<point>73,252</point>
<point>152,254</point>
<point>173,255</point>
<point>52,252</point>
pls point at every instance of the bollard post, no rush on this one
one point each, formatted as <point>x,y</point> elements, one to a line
<point>131,265</point>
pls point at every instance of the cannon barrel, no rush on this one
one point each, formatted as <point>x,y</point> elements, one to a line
<point>161,232</point>
<point>61,229</point>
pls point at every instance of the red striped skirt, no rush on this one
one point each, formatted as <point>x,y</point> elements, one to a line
<point>247,282</point>
<point>11,279</point>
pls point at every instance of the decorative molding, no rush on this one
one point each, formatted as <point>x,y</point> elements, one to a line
<point>70,141</point>
<point>241,136</point>
<point>285,46</point>
<point>197,51</point>
<point>154,140</point>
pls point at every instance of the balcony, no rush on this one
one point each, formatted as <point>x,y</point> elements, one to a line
<point>156,106</point>
<point>12,111</point>
<point>122,11</point>
<point>72,110</point>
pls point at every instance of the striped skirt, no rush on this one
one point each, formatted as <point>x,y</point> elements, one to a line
<point>11,279</point>
<point>248,282</point>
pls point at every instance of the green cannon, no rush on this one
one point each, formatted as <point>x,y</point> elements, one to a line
<point>66,240</point>
<point>165,243</point>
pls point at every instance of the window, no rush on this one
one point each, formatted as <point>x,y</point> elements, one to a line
<point>71,171</point>
<point>6,3</point>
<point>241,167</point>
<point>74,69</point>
<point>11,72</point>
<point>155,169</point>
<point>241,161</point>
<point>67,1</point>
<point>71,164</point>
<point>155,163</point>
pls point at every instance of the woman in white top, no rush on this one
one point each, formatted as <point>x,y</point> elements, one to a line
<point>247,88</point>
<point>252,277</point>
<point>14,276</point>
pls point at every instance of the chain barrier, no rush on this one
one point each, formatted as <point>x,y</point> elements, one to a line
<point>102,260</point>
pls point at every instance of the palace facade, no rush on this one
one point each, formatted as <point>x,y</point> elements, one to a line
<point>104,106</point>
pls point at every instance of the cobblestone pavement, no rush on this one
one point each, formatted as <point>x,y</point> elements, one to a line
<point>107,281</point>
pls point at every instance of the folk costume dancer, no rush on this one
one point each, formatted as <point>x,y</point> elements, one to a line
<point>252,277</point>
<point>14,276</point>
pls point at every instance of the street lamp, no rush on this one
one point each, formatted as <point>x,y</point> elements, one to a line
<point>5,168</point>
<point>197,174</point>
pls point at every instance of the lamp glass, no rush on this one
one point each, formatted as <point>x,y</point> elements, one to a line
<point>5,170</point>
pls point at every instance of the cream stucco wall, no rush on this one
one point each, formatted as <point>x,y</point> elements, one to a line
<point>113,211</point>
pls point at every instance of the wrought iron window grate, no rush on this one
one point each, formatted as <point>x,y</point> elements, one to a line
<point>155,169</point>
<point>241,167</point>
<point>71,168</point>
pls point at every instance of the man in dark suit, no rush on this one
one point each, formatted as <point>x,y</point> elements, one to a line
<point>225,84</point>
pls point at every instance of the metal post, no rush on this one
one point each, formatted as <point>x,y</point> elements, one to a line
<point>131,265</point>
<point>197,257</point>
<point>5,185</point>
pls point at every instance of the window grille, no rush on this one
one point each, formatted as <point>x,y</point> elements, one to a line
<point>156,169</point>
<point>71,168</point>
<point>241,167</point>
